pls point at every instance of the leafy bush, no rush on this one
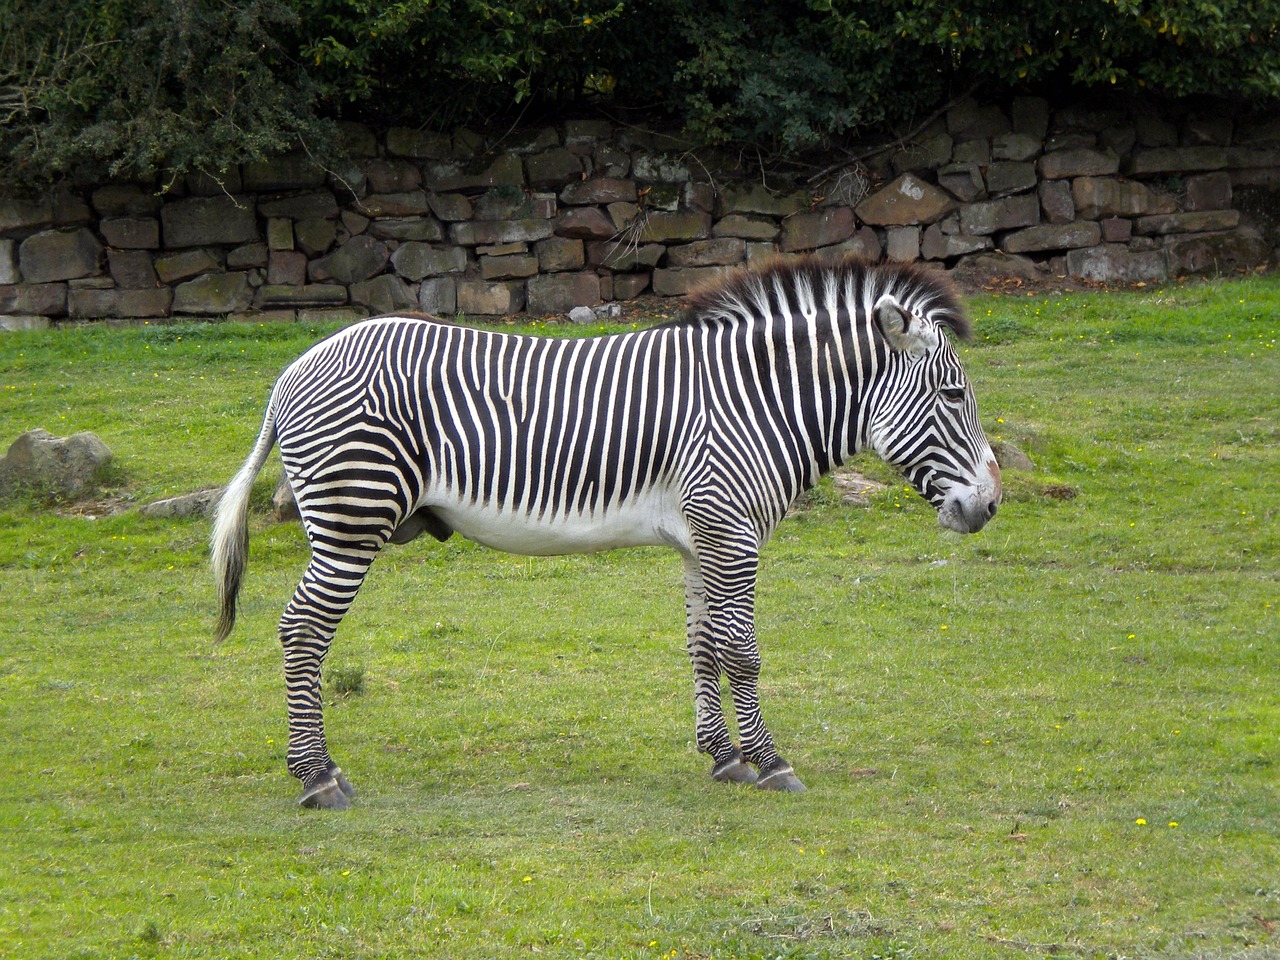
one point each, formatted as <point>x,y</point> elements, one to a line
<point>140,88</point>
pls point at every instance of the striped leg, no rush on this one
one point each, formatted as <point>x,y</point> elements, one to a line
<point>307,627</point>
<point>731,614</point>
<point>711,732</point>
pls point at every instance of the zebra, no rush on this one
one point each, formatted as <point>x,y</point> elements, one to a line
<point>697,435</point>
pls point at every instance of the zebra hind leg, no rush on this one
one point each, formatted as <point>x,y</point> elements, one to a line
<point>307,627</point>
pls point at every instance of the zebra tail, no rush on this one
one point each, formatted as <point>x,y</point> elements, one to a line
<point>229,541</point>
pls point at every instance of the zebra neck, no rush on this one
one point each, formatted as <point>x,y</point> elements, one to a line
<point>803,388</point>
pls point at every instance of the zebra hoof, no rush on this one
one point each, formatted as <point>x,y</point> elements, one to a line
<point>734,770</point>
<point>783,780</point>
<point>325,794</point>
<point>344,784</point>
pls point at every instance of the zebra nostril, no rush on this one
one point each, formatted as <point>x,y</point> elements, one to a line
<point>992,507</point>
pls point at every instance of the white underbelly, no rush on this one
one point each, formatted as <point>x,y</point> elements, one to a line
<point>651,520</point>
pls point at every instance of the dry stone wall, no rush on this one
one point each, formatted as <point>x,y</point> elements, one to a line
<point>586,213</point>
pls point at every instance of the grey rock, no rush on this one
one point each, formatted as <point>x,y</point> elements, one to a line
<point>1098,197</point>
<point>1205,221</point>
<point>34,299</point>
<point>1178,160</point>
<point>963,181</point>
<point>584,223</point>
<point>683,281</point>
<point>1056,201</point>
<point>486,298</point>
<point>198,504</point>
<point>1007,177</point>
<point>721,251</point>
<point>928,154</point>
<point>63,466</point>
<point>8,262</point>
<point>284,508</point>
<point>421,229</point>
<point>1053,236</point>
<point>1210,191</point>
<point>185,265</point>
<point>553,169</point>
<point>59,255</point>
<point>410,203</point>
<point>438,296</point>
<point>314,235</point>
<point>558,254</point>
<point>510,267</point>
<point>601,190</point>
<point>746,227</point>
<point>1116,263</point>
<point>318,203</point>
<point>990,216</point>
<point>970,119</point>
<point>560,292</point>
<point>755,198</point>
<point>214,294</point>
<point>392,176</point>
<point>413,260</point>
<point>205,221</point>
<point>1216,253</point>
<point>1063,164</point>
<point>131,233</point>
<point>907,201</point>
<point>121,304</point>
<point>384,294</point>
<point>624,257</point>
<point>512,202</point>
<point>937,245</point>
<point>659,168</point>
<point>451,207</point>
<point>132,269</point>
<point>902,244</point>
<point>1009,457</point>
<point>358,259</point>
<point>481,232</point>
<point>504,170</point>
<point>821,228</point>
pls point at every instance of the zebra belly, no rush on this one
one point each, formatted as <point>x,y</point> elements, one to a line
<point>651,520</point>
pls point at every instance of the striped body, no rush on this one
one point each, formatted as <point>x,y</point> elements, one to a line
<point>696,435</point>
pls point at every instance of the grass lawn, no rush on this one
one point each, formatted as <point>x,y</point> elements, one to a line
<point>1055,738</point>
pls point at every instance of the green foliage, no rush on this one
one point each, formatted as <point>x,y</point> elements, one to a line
<point>140,88</point>
<point>1176,48</point>
<point>445,61</point>
<point>135,89</point>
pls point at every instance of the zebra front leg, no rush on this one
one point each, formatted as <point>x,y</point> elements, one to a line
<point>740,655</point>
<point>307,627</point>
<point>711,732</point>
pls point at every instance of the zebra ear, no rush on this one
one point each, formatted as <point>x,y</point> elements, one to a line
<point>905,333</point>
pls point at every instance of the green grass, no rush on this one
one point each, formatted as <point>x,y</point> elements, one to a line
<point>982,722</point>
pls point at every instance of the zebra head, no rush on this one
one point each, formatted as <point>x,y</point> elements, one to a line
<point>925,421</point>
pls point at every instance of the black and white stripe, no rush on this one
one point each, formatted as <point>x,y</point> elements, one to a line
<point>697,434</point>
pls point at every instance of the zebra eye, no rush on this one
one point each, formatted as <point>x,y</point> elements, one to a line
<point>952,394</point>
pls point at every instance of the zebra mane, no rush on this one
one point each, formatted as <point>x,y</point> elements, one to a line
<point>922,290</point>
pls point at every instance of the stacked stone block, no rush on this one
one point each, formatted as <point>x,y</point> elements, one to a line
<point>577,215</point>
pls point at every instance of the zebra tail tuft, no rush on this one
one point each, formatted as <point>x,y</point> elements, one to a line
<point>229,541</point>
